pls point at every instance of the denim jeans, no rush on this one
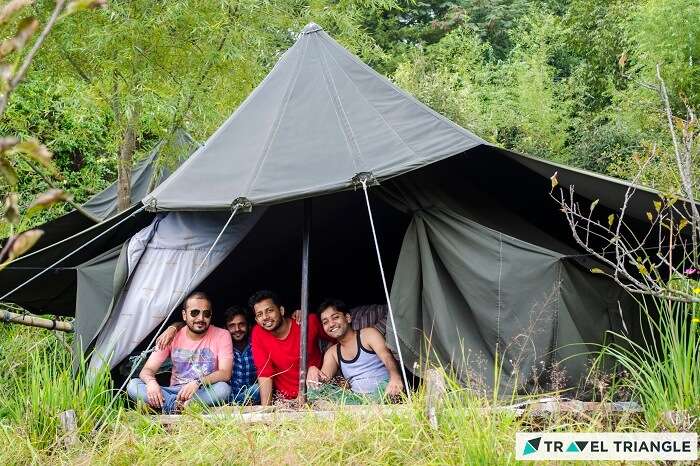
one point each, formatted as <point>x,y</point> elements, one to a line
<point>247,395</point>
<point>211,395</point>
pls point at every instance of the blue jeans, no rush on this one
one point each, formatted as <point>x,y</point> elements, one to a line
<point>211,395</point>
<point>246,395</point>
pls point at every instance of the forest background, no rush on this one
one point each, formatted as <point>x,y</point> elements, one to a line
<point>572,81</point>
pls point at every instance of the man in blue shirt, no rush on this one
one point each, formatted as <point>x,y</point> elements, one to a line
<point>244,386</point>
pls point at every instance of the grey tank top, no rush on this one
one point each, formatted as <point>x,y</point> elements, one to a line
<point>365,371</point>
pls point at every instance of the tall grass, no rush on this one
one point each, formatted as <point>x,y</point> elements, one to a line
<point>39,383</point>
<point>663,370</point>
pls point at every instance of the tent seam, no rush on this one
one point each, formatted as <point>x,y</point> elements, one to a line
<point>153,195</point>
<point>342,116</point>
<point>499,303</point>
<point>415,101</point>
<point>278,119</point>
<point>557,311</point>
<point>415,153</point>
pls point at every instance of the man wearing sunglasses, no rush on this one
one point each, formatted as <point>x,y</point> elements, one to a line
<point>202,357</point>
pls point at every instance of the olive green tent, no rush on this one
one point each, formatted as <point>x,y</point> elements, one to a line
<point>480,262</point>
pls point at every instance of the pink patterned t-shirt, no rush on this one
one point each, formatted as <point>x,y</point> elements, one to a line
<point>193,359</point>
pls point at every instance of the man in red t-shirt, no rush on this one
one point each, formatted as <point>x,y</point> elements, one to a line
<point>275,343</point>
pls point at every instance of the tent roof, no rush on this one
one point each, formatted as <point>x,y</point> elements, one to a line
<point>318,119</point>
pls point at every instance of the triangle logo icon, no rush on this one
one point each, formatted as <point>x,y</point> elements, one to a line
<point>573,448</point>
<point>581,444</point>
<point>529,449</point>
<point>532,445</point>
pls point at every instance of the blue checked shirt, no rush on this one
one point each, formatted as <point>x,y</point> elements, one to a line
<point>244,374</point>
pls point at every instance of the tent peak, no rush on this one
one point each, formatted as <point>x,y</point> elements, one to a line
<point>311,28</point>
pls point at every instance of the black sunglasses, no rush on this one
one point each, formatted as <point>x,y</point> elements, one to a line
<point>206,313</point>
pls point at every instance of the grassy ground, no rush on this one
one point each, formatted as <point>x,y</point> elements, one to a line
<point>37,384</point>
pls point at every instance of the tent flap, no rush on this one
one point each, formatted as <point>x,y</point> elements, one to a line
<point>162,261</point>
<point>472,297</point>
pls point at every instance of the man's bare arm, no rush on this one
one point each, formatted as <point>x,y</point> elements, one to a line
<point>221,375</point>
<point>265,384</point>
<point>148,372</point>
<point>327,371</point>
<point>168,335</point>
<point>376,343</point>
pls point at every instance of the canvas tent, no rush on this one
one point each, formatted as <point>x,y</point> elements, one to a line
<point>478,258</point>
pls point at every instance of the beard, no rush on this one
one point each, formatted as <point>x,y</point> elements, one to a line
<point>198,329</point>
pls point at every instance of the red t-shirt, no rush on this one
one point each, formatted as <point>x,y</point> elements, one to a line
<point>279,358</point>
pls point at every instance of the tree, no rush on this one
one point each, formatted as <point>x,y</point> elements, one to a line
<point>14,65</point>
<point>674,224</point>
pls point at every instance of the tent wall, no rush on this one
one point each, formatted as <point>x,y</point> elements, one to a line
<point>471,297</point>
<point>162,260</point>
<point>97,282</point>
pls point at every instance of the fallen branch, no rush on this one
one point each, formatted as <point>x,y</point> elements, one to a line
<point>34,321</point>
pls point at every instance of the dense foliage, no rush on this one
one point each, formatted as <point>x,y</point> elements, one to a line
<point>566,80</point>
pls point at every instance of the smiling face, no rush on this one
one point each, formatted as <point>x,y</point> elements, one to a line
<point>268,315</point>
<point>238,327</point>
<point>197,315</point>
<point>335,323</point>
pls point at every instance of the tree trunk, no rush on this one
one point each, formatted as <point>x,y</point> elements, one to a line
<point>126,154</point>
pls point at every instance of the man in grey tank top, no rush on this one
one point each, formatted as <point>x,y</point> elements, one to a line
<point>361,356</point>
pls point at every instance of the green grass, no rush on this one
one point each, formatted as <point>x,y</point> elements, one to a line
<point>664,371</point>
<point>38,383</point>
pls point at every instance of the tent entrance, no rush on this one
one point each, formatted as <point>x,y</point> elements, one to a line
<point>343,261</point>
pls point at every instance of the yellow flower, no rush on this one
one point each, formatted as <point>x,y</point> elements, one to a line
<point>695,320</point>
<point>696,290</point>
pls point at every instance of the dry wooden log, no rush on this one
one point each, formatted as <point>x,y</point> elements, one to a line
<point>435,392</point>
<point>549,406</point>
<point>34,321</point>
<point>268,415</point>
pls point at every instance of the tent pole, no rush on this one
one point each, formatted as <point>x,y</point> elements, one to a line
<point>304,300</point>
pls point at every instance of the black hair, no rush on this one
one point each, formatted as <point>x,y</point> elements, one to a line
<point>198,295</point>
<point>234,311</point>
<point>337,304</point>
<point>262,295</point>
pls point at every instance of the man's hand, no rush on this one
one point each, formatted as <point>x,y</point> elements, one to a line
<point>154,395</point>
<point>166,338</point>
<point>394,387</point>
<point>188,391</point>
<point>314,377</point>
<point>296,315</point>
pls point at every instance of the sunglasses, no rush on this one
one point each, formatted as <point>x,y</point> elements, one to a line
<point>206,313</point>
